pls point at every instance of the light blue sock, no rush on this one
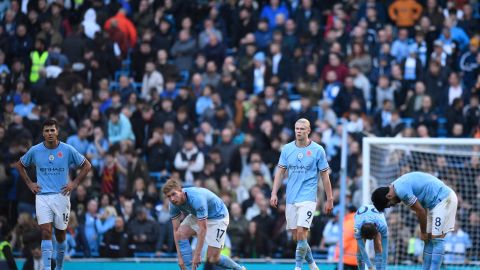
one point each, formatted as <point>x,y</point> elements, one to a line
<point>437,253</point>
<point>60,254</point>
<point>378,261</point>
<point>300,253</point>
<point>308,255</point>
<point>227,263</point>
<point>186,253</point>
<point>427,255</point>
<point>360,262</point>
<point>47,249</point>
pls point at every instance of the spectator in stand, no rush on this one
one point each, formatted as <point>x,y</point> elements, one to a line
<point>119,127</point>
<point>116,241</point>
<point>144,232</point>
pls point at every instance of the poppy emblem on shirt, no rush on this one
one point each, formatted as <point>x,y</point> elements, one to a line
<point>309,153</point>
<point>60,154</point>
<point>51,157</point>
<point>300,155</point>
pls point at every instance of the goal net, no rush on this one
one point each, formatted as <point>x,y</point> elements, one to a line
<point>454,161</point>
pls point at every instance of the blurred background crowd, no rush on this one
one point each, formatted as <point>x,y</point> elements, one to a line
<point>208,92</point>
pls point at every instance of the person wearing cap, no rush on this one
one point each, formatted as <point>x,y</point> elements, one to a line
<point>370,224</point>
<point>206,216</point>
<point>434,203</point>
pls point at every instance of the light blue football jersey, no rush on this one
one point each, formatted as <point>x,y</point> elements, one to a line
<point>303,165</point>
<point>424,187</point>
<point>369,214</point>
<point>201,203</point>
<point>52,165</point>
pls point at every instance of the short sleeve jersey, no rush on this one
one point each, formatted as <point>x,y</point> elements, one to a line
<point>303,165</point>
<point>52,165</point>
<point>424,187</point>
<point>369,214</point>
<point>202,203</point>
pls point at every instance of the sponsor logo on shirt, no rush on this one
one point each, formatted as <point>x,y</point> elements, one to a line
<point>52,171</point>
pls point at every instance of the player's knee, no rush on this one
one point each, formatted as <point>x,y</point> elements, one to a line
<point>60,236</point>
<point>46,234</point>
<point>213,258</point>
<point>182,235</point>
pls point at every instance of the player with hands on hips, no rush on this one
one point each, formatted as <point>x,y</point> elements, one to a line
<point>52,160</point>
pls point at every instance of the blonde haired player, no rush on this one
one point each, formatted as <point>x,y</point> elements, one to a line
<point>205,216</point>
<point>304,160</point>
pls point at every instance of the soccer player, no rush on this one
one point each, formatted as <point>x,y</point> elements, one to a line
<point>435,205</point>
<point>370,224</point>
<point>205,216</point>
<point>304,160</point>
<point>52,160</point>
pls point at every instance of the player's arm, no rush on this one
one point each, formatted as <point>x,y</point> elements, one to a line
<point>84,169</point>
<point>277,182</point>
<point>422,218</point>
<point>23,173</point>
<point>384,243</point>
<point>202,224</point>
<point>362,255</point>
<point>176,237</point>
<point>381,248</point>
<point>327,186</point>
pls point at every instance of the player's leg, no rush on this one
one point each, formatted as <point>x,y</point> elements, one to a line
<point>305,212</point>
<point>60,236</point>
<point>61,208</point>
<point>45,219</point>
<point>427,248</point>
<point>215,239</point>
<point>184,233</point>
<point>443,222</point>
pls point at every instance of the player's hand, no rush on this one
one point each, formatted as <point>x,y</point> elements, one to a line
<point>67,189</point>
<point>181,264</point>
<point>274,200</point>
<point>196,261</point>
<point>34,187</point>
<point>424,237</point>
<point>328,206</point>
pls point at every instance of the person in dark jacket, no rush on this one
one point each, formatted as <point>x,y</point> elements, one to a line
<point>116,241</point>
<point>144,232</point>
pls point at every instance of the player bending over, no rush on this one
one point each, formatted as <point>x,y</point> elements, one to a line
<point>370,224</point>
<point>205,216</point>
<point>435,205</point>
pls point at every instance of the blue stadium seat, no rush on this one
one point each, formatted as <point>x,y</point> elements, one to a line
<point>442,129</point>
<point>408,122</point>
<point>159,178</point>
<point>114,86</point>
<point>138,87</point>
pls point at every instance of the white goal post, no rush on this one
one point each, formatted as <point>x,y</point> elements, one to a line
<point>454,161</point>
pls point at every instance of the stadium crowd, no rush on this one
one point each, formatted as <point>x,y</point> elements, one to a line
<point>208,92</point>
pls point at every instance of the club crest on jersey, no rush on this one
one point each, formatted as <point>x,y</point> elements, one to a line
<point>51,157</point>
<point>300,155</point>
<point>60,154</point>
<point>309,153</point>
